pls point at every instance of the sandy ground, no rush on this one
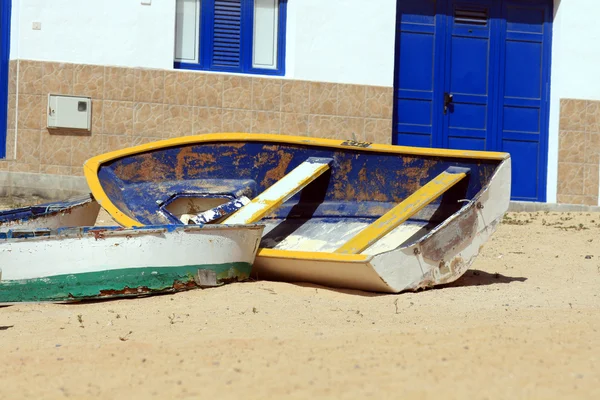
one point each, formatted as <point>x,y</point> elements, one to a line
<point>524,322</point>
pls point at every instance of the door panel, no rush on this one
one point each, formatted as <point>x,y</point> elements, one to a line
<point>474,74</point>
<point>522,98</point>
<point>468,74</point>
<point>420,40</point>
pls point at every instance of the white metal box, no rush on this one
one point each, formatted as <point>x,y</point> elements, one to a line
<point>69,112</point>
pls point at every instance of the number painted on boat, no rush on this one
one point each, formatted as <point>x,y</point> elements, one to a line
<point>354,143</point>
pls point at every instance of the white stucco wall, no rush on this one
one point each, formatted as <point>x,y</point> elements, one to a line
<point>575,61</point>
<point>107,32</point>
<point>345,41</point>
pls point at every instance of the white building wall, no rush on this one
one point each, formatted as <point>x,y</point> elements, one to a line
<point>105,32</point>
<point>575,67</point>
<point>343,41</point>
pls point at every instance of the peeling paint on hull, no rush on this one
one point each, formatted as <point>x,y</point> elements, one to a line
<point>128,282</point>
<point>87,263</point>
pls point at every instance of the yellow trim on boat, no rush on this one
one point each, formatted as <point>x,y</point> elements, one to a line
<point>102,198</point>
<point>402,212</point>
<point>274,196</point>
<point>92,165</point>
<point>312,255</point>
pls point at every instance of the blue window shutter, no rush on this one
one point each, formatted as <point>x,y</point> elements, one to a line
<point>227,24</point>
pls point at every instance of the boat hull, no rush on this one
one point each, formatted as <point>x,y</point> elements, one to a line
<point>99,263</point>
<point>373,217</point>
<point>70,213</point>
<point>440,257</point>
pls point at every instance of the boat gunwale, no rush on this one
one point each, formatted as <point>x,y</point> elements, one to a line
<point>82,201</point>
<point>92,165</point>
<point>99,232</point>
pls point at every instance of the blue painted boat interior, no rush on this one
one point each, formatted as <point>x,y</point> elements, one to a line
<point>359,187</point>
<point>25,213</point>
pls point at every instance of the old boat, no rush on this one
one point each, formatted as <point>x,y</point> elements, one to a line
<point>74,264</point>
<point>337,213</point>
<point>79,211</point>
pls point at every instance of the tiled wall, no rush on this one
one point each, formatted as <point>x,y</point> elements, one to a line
<point>579,152</point>
<point>135,106</point>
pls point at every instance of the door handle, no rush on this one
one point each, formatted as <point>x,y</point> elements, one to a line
<point>448,98</point>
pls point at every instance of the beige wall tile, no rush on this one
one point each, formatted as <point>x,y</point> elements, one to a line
<point>266,94</point>
<point>295,97</point>
<point>118,83</point>
<point>178,121</point>
<point>207,120</point>
<point>592,116</point>
<point>237,92</point>
<point>294,124</point>
<point>118,117</point>
<point>571,147</point>
<point>5,165</point>
<point>12,111</point>
<point>351,128</point>
<point>55,169</point>
<point>379,102</point>
<point>57,78</point>
<point>378,131</point>
<point>324,126</point>
<point>12,76</point>
<point>17,166</point>
<point>30,77</point>
<point>88,80</point>
<point>208,90</point>
<point>590,181</point>
<point>323,98</point>
<point>573,115</point>
<point>76,171</point>
<point>28,150</point>
<point>570,178</point>
<point>266,122</point>
<point>139,140</point>
<point>351,100</point>
<point>236,120</point>
<point>116,142</point>
<point>56,149</point>
<point>11,136</point>
<point>570,199</point>
<point>31,110</point>
<point>97,116</point>
<point>149,85</point>
<point>179,88</point>
<point>592,148</point>
<point>148,119</point>
<point>84,147</point>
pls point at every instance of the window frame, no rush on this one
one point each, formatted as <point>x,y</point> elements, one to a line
<point>246,41</point>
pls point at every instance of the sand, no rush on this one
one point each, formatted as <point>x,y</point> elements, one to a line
<point>524,322</point>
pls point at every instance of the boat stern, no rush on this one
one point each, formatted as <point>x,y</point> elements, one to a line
<point>447,252</point>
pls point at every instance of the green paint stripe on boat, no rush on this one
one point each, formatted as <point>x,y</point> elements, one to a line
<point>115,283</point>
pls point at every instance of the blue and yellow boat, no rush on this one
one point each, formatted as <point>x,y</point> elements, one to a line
<point>337,213</point>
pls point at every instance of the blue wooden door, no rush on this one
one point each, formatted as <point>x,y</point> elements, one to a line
<point>474,74</point>
<point>524,92</point>
<point>419,72</point>
<point>469,69</point>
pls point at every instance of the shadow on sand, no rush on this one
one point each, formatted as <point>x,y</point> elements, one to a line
<point>472,277</point>
<point>475,277</point>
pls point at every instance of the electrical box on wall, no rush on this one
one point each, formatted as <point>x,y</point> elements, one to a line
<point>69,112</point>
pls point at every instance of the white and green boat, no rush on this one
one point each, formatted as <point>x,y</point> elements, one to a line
<point>74,264</point>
